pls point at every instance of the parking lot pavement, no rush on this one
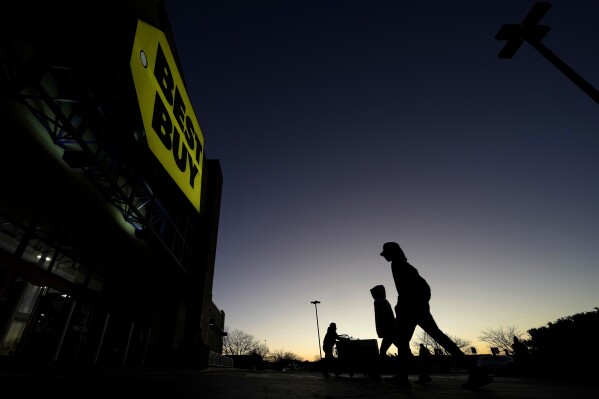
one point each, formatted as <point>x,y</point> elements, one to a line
<point>446,386</point>
<point>224,383</point>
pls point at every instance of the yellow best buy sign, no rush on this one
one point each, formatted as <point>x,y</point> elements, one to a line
<point>172,130</point>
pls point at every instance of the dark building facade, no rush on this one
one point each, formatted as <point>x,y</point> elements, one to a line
<point>109,208</point>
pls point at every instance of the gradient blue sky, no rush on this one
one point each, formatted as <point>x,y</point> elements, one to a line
<point>340,125</point>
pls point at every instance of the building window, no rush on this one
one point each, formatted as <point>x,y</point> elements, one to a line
<point>38,253</point>
<point>10,236</point>
<point>69,269</point>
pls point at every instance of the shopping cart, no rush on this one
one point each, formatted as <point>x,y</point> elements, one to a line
<point>357,356</point>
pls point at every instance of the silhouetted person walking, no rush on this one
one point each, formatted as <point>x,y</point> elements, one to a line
<point>423,351</point>
<point>424,356</point>
<point>520,354</point>
<point>328,343</point>
<point>412,309</point>
<point>384,318</point>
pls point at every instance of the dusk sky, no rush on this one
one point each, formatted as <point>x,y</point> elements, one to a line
<point>341,125</point>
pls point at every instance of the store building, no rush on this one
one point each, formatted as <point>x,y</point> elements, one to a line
<point>109,207</point>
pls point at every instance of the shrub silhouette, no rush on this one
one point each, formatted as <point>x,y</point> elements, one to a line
<point>567,347</point>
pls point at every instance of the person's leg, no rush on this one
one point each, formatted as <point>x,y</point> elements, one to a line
<point>382,359</point>
<point>405,329</point>
<point>476,378</point>
<point>428,324</point>
<point>326,363</point>
<point>385,345</point>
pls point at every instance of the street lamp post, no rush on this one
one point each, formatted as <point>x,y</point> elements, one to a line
<point>317,327</point>
<point>531,32</point>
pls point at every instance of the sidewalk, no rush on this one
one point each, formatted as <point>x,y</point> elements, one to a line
<point>227,383</point>
<point>255,385</point>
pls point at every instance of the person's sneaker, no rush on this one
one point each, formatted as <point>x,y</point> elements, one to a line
<point>401,382</point>
<point>423,379</point>
<point>477,380</point>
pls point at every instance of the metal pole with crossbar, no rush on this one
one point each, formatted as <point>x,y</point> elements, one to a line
<point>531,32</point>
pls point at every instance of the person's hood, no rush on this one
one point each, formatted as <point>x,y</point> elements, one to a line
<point>378,292</point>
